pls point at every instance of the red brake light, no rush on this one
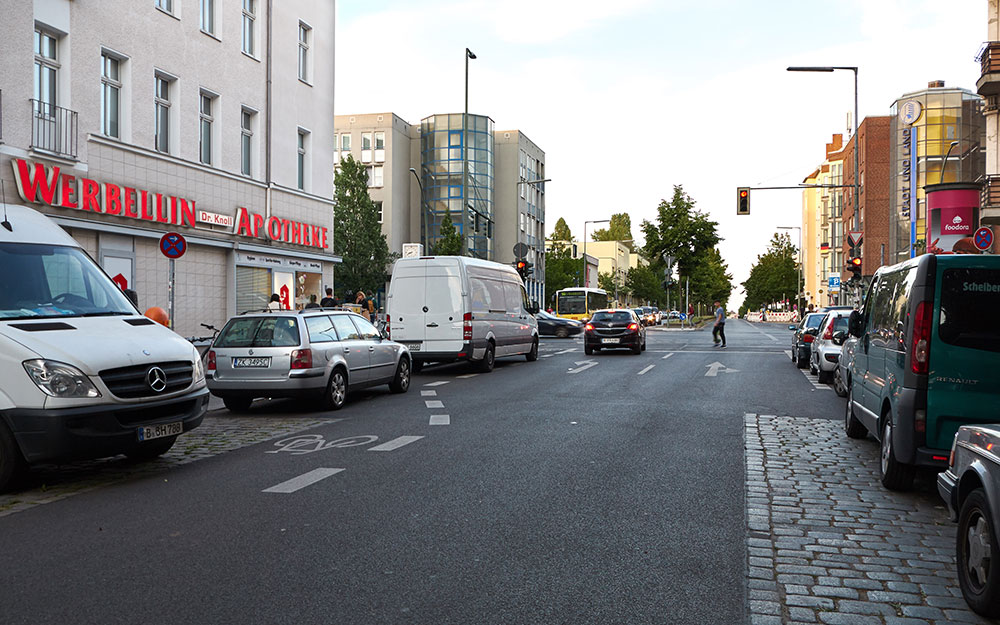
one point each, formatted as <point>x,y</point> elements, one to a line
<point>302,359</point>
<point>211,360</point>
<point>807,338</point>
<point>588,328</point>
<point>828,335</point>
<point>467,327</point>
<point>634,327</point>
<point>920,345</point>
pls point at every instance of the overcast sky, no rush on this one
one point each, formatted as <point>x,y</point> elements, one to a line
<point>631,97</point>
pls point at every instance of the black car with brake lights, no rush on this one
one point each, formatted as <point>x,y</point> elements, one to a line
<point>614,329</point>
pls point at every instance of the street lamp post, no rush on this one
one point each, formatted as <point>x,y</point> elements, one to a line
<point>469,54</point>
<point>944,163</point>
<point>596,221</point>
<point>424,226</point>
<point>798,294</point>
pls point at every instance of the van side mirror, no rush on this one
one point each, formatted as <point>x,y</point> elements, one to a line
<point>854,324</point>
<point>532,308</point>
<point>132,297</point>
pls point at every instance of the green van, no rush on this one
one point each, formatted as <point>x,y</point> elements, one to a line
<point>927,359</point>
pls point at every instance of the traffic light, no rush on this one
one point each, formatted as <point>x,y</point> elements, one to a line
<point>524,268</point>
<point>854,266</point>
<point>743,200</point>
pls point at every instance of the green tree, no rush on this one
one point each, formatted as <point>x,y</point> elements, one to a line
<point>606,281</point>
<point>561,270</point>
<point>561,231</point>
<point>646,284</point>
<point>774,276</point>
<point>357,235</point>
<point>680,231</point>
<point>450,243</point>
<point>710,280</point>
<point>620,229</point>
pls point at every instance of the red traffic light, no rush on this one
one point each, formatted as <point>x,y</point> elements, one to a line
<point>521,264</point>
<point>855,261</point>
<point>744,193</point>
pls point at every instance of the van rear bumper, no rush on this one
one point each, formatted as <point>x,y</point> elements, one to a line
<point>97,431</point>
<point>466,353</point>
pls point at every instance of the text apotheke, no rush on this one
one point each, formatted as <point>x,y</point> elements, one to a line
<point>39,184</point>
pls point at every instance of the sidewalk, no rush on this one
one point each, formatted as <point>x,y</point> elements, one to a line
<point>826,543</point>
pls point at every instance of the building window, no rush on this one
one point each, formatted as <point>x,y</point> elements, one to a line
<point>162,98</point>
<point>345,142</point>
<point>305,35</point>
<point>366,147</point>
<point>208,16</point>
<point>301,159</point>
<point>246,142</point>
<point>378,210</point>
<point>111,90</point>
<point>205,122</point>
<point>375,175</point>
<point>380,147</point>
<point>165,5</point>
<point>249,21</point>
<point>46,71</point>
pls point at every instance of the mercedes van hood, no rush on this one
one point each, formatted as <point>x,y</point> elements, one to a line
<point>93,344</point>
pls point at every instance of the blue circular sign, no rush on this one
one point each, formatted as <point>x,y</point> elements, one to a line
<point>983,238</point>
<point>173,245</point>
<point>683,316</point>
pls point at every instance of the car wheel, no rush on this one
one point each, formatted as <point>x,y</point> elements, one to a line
<point>587,349</point>
<point>401,381</point>
<point>237,403</point>
<point>532,354</point>
<point>838,383</point>
<point>336,390</point>
<point>825,377</point>
<point>12,463</point>
<point>812,368</point>
<point>978,567</point>
<point>853,427</point>
<point>637,349</point>
<point>800,362</point>
<point>644,345</point>
<point>489,359</point>
<point>151,449</point>
<point>895,475</point>
<point>562,332</point>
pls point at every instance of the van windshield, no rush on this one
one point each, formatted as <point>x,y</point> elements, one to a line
<point>969,300</point>
<point>38,281</point>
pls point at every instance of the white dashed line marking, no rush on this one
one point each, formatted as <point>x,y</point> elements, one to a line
<point>467,376</point>
<point>668,356</point>
<point>434,403</point>
<point>645,370</point>
<point>428,393</point>
<point>300,482</point>
<point>440,419</point>
<point>395,443</point>
<point>438,383</point>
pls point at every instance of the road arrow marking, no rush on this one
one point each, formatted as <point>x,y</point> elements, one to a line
<point>583,365</point>
<point>716,367</point>
<point>565,351</point>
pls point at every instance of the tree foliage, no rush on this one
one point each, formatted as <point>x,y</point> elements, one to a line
<point>606,281</point>
<point>774,276</point>
<point>561,270</point>
<point>680,231</point>
<point>710,280</point>
<point>620,229</point>
<point>450,243</point>
<point>646,284</point>
<point>357,235</point>
<point>561,231</point>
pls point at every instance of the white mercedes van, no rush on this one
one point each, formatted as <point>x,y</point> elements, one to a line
<point>449,308</point>
<point>82,373</point>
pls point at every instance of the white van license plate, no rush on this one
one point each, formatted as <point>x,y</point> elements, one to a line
<point>413,347</point>
<point>160,431</point>
<point>249,363</point>
<point>607,341</point>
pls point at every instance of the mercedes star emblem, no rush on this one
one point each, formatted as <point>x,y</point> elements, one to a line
<point>156,378</point>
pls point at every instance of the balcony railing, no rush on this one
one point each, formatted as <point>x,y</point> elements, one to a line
<point>989,196</point>
<point>53,129</point>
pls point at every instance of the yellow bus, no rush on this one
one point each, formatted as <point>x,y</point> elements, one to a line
<point>579,302</point>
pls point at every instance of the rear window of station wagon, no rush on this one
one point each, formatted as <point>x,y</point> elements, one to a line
<point>259,332</point>
<point>969,301</point>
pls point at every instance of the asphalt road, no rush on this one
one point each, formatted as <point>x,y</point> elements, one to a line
<point>558,491</point>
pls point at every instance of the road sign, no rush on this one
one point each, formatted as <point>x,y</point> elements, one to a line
<point>683,317</point>
<point>855,237</point>
<point>520,250</point>
<point>121,281</point>
<point>983,238</point>
<point>173,245</point>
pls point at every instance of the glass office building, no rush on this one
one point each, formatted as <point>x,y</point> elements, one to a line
<point>924,126</point>
<point>447,190</point>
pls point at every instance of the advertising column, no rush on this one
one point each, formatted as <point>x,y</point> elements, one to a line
<point>952,217</point>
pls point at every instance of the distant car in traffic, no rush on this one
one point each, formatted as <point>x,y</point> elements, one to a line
<point>824,352</point>
<point>801,338</point>
<point>550,325</point>
<point>674,314</point>
<point>315,352</point>
<point>648,315</point>
<point>614,329</point>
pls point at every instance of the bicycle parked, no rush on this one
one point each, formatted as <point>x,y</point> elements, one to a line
<point>204,343</point>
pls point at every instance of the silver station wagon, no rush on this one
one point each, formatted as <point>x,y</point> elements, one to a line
<point>315,352</point>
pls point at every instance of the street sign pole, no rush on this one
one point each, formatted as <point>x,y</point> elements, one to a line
<point>170,294</point>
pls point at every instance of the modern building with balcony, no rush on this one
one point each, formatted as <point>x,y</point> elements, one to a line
<point>124,121</point>
<point>988,86</point>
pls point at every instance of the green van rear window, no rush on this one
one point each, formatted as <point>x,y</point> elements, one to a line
<point>969,300</point>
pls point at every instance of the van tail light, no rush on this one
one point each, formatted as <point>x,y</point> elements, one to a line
<point>807,338</point>
<point>467,327</point>
<point>302,359</point>
<point>588,328</point>
<point>921,343</point>
<point>211,360</point>
<point>633,327</point>
<point>919,420</point>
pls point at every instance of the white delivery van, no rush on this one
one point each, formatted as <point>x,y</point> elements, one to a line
<point>448,308</point>
<point>82,373</point>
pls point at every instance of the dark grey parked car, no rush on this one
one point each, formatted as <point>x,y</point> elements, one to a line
<point>801,340</point>
<point>315,352</point>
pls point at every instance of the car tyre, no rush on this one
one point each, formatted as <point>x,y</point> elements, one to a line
<point>401,381</point>
<point>335,395</point>
<point>532,354</point>
<point>644,345</point>
<point>637,349</point>
<point>976,549</point>
<point>799,362</point>
<point>853,427</point>
<point>149,450</point>
<point>562,332</point>
<point>12,464</point>
<point>838,383</point>
<point>825,377</point>
<point>812,368</point>
<point>237,403</point>
<point>895,475</point>
<point>587,349</point>
<point>489,359</point>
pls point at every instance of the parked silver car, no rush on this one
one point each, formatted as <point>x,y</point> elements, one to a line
<point>971,487</point>
<point>824,354</point>
<point>315,352</point>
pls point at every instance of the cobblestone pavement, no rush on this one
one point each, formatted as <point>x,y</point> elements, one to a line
<point>827,543</point>
<point>221,431</point>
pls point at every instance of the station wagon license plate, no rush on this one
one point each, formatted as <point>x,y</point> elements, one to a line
<point>252,362</point>
<point>159,431</point>
<point>607,341</point>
